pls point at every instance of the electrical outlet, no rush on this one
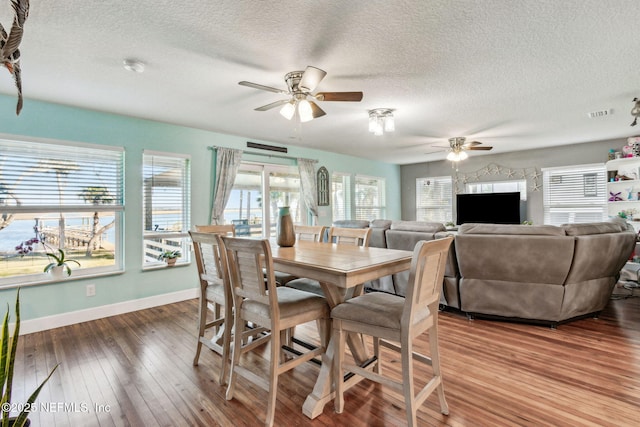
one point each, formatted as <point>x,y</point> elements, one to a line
<point>91,290</point>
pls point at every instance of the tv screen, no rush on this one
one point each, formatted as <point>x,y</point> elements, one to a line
<point>491,208</point>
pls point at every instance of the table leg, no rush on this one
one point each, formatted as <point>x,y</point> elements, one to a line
<point>323,391</point>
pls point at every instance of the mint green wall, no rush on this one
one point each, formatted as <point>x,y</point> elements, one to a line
<point>45,120</point>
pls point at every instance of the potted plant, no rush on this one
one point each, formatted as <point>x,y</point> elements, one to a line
<point>59,264</point>
<point>170,256</point>
<point>8,347</point>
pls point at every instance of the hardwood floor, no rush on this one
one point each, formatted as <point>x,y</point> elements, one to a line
<point>135,369</point>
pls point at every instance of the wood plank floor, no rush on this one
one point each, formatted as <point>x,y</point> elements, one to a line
<point>136,369</point>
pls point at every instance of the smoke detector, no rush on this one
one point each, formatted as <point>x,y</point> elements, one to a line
<point>133,65</point>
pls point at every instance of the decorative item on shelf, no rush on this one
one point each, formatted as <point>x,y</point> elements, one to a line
<point>9,346</point>
<point>612,154</point>
<point>170,256</point>
<point>615,197</point>
<point>618,154</point>
<point>59,264</point>
<point>527,222</point>
<point>627,174</point>
<point>627,151</point>
<point>634,142</point>
<point>627,214</point>
<point>284,230</point>
<point>630,194</point>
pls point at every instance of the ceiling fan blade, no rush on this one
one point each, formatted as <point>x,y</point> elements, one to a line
<point>272,105</point>
<point>339,96</point>
<point>484,147</point>
<point>311,78</point>
<point>472,143</point>
<point>262,87</point>
<point>315,110</point>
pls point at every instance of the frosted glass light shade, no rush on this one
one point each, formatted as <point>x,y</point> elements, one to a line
<point>304,110</point>
<point>288,110</point>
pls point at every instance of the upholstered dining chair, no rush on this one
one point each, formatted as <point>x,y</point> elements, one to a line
<point>340,236</point>
<point>215,293</point>
<point>395,322</point>
<point>263,303</point>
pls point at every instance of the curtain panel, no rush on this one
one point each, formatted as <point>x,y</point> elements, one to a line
<point>227,164</point>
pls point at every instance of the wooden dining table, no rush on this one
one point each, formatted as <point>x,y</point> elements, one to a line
<point>340,269</point>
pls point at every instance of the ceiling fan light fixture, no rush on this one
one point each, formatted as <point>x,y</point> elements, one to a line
<point>305,111</point>
<point>288,110</point>
<point>381,120</point>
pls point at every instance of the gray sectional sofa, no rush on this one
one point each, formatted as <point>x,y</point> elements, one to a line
<point>534,273</point>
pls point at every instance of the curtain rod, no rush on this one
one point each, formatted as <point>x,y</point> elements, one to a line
<point>278,156</point>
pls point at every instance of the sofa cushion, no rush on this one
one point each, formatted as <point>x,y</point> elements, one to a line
<point>421,226</point>
<point>351,223</point>
<point>544,230</point>
<point>593,228</point>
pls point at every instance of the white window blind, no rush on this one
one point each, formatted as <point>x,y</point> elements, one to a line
<point>166,205</point>
<point>519,185</point>
<point>575,194</point>
<point>434,199</point>
<point>370,197</point>
<point>60,195</point>
<point>341,196</point>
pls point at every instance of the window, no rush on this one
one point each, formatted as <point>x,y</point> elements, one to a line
<point>341,196</point>
<point>258,191</point>
<point>56,195</point>
<point>370,200</point>
<point>510,186</point>
<point>166,206</point>
<point>434,199</point>
<point>574,194</point>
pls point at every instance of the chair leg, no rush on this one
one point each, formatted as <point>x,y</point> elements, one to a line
<point>201,327</point>
<point>237,349</point>
<point>376,352</point>
<point>435,363</point>
<point>338,361</point>
<point>273,377</point>
<point>226,344</point>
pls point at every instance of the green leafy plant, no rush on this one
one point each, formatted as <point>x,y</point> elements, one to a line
<point>170,254</point>
<point>8,347</point>
<point>526,222</point>
<point>59,260</point>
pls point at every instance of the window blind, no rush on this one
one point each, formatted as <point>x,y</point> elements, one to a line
<point>37,176</point>
<point>575,194</point>
<point>370,197</point>
<point>434,199</point>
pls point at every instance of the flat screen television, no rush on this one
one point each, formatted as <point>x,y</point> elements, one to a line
<point>491,208</point>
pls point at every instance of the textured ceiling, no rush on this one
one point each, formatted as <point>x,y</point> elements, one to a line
<point>511,74</point>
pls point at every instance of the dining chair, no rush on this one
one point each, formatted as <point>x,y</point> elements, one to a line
<point>395,322</point>
<point>215,293</point>
<point>313,233</point>
<point>340,236</point>
<point>263,303</point>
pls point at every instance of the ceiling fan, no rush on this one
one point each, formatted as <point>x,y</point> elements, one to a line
<point>300,84</point>
<point>458,147</point>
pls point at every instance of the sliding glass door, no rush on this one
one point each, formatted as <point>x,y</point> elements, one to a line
<point>258,193</point>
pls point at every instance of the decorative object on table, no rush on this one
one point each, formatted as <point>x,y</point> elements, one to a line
<point>323,186</point>
<point>10,42</point>
<point>59,264</point>
<point>615,197</point>
<point>8,346</point>
<point>635,111</point>
<point>284,229</point>
<point>170,256</point>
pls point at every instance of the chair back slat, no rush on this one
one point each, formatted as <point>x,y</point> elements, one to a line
<point>224,229</point>
<point>313,233</point>
<point>206,247</point>
<point>246,259</point>
<point>353,236</point>
<point>425,277</point>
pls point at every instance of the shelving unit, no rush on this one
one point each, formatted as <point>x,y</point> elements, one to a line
<point>629,166</point>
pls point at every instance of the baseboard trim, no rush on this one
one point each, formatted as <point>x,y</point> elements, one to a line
<point>94,313</point>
